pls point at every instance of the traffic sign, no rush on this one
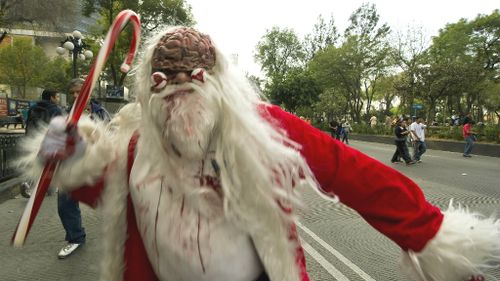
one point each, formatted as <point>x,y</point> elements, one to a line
<point>417,106</point>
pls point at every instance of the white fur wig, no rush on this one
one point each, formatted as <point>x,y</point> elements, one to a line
<point>259,165</point>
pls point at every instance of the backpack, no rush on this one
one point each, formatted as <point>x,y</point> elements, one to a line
<point>36,115</point>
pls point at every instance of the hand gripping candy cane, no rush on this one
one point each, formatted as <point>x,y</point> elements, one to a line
<point>35,201</point>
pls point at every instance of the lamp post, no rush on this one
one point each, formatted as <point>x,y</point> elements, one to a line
<point>77,48</point>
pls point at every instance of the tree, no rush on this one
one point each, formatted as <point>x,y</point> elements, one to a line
<point>22,65</point>
<point>323,35</point>
<point>408,51</point>
<point>56,74</point>
<point>473,48</point>
<point>387,91</point>
<point>336,72</point>
<point>492,99</point>
<point>155,14</point>
<point>296,91</point>
<point>331,103</point>
<point>255,82</point>
<point>368,49</point>
<point>278,51</point>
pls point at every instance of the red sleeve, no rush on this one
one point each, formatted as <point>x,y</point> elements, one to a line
<point>386,199</point>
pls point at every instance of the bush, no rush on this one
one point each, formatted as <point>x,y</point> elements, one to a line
<point>366,129</point>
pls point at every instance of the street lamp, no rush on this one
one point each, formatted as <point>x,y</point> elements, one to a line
<point>75,45</point>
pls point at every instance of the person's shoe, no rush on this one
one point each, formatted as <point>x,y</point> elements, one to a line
<point>467,155</point>
<point>398,161</point>
<point>68,250</point>
<point>419,161</point>
<point>410,163</point>
<point>25,190</point>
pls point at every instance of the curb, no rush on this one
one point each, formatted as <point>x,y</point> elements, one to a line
<point>10,188</point>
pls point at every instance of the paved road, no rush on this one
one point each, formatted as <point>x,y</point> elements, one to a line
<point>339,244</point>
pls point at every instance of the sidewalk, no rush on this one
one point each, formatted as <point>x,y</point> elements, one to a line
<point>37,260</point>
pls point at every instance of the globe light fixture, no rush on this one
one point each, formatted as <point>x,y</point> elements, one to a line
<point>77,48</point>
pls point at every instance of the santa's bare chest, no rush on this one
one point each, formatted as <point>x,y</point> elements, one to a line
<point>186,235</point>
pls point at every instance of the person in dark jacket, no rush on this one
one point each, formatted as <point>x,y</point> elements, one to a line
<point>41,112</point>
<point>67,208</point>
<point>97,111</point>
<point>401,149</point>
<point>44,110</point>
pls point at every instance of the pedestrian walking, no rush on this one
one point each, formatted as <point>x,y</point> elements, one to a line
<point>43,111</point>
<point>401,133</point>
<point>417,129</point>
<point>346,129</point>
<point>67,208</point>
<point>39,115</point>
<point>335,129</point>
<point>469,135</point>
<point>373,121</point>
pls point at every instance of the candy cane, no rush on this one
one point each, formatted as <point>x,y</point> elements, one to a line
<point>35,201</point>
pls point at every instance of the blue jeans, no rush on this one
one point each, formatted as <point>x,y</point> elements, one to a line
<point>469,143</point>
<point>419,149</point>
<point>69,213</point>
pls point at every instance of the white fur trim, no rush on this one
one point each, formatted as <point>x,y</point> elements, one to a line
<point>114,214</point>
<point>86,170</point>
<point>466,244</point>
<point>106,146</point>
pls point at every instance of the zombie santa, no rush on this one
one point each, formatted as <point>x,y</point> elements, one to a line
<point>198,181</point>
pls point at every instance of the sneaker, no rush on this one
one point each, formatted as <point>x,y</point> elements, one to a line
<point>68,250</point>
<point>410,163</point>
<point>419,161</point>
<point>467,155</point>
<point>399,161</point>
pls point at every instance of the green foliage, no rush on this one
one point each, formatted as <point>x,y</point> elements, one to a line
<point>490,133</point>
<point>323,35</point>
<point>457,73</point>
<point>278,51</point>
<point>22,65</point>
<point>155,14</point>
<point>296,91</point>
<point>365,129</point>
<point>337,71</point>
<point>330,103</point>
<point>56,74</point>
<point>352,70</point>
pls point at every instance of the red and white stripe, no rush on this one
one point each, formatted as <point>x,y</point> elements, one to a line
<point>35,201</point>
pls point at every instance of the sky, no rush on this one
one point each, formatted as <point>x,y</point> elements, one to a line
<point>236,26</point>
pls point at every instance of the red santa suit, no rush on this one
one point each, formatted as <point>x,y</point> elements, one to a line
<point>167,215</point>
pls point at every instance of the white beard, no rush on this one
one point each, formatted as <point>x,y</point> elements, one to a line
<point>185,120</point>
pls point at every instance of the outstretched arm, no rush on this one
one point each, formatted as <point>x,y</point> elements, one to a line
<point>450,245</point>
<point>386,199</point>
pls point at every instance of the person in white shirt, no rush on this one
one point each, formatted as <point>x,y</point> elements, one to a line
<point>417,129</point>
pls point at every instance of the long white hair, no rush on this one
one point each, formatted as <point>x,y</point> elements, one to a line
<point>259,166</point>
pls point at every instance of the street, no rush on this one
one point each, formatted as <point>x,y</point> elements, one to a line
<point>339,245</point>
<point>344,247</point>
